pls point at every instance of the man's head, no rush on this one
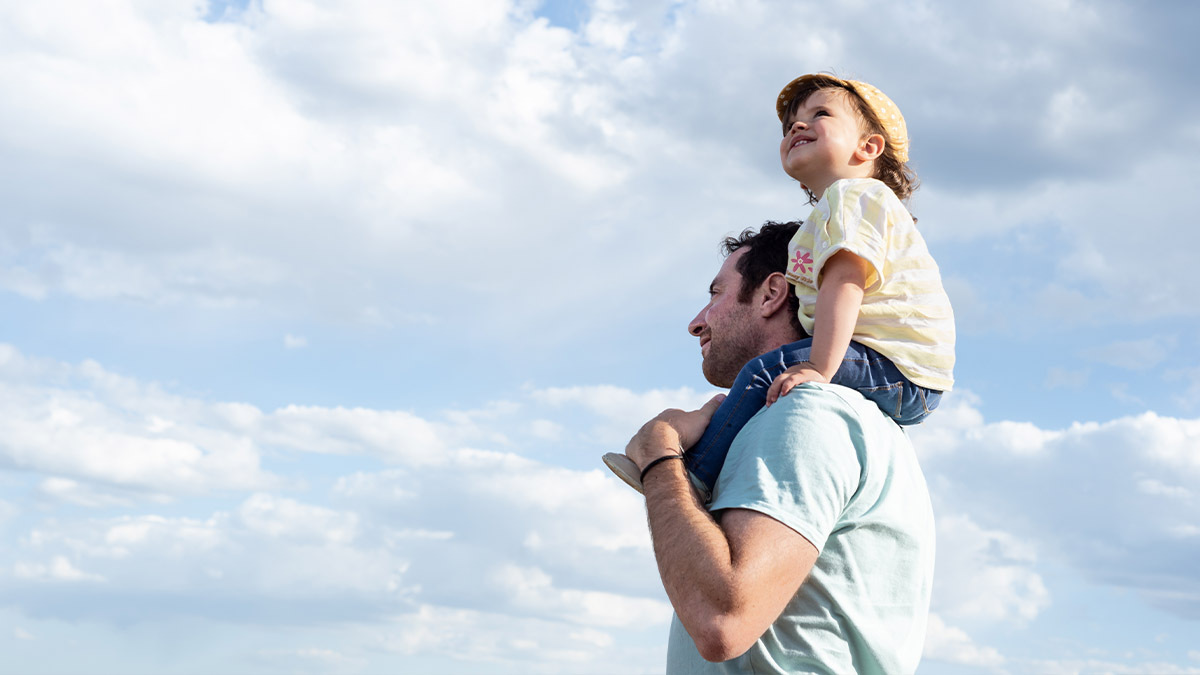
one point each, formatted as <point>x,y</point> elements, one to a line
<point>751,308</point>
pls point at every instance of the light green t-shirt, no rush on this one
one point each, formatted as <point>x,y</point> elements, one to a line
<point>827,463</point>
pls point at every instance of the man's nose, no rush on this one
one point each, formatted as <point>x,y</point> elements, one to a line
<point>697,325</point>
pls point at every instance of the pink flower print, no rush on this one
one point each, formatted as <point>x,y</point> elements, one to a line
<point>802,261</point>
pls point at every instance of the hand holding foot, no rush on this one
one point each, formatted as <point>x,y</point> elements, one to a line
<point>667,434</point>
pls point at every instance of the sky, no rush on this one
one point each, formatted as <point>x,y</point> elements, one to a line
<point>318,316</point>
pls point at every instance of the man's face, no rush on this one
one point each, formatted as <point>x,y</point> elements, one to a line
<point>731,333</point>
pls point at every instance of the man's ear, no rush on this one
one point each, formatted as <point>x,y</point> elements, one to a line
<point>774,292</point>
<point>870,148</point>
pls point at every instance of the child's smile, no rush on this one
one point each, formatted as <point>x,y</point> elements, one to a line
<point>820,145</point>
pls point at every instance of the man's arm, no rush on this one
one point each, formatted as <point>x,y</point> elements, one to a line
<point>728,580</point>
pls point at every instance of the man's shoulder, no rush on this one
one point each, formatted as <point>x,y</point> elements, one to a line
<point>814,423</point>
<point>826,402</point>
<point>823,422</point>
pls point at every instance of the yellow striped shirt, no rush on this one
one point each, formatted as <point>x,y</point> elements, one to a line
<point>905,314</point>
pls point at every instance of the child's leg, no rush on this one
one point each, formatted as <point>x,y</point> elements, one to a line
<point>862,369</point>
<point>876,377</point>
<point>746,397</point>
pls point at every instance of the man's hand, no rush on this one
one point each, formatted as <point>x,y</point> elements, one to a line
<point>797,374</point>
<point>670,432</point>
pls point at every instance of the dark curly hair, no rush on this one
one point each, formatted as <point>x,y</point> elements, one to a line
<point>888,169</point>
<point>766,254</point>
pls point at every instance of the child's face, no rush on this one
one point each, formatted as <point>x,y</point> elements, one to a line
<point>825,142</point>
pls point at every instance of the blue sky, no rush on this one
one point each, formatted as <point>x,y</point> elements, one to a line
<point>318,316</point>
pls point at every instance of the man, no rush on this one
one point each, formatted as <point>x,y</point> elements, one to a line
<point>816,552</point>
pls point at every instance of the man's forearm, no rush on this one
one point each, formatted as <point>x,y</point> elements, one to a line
<point>691,549</point>
<point>695,563</point>
<point>688,543</point>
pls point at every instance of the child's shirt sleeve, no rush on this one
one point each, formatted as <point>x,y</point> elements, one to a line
<point>857,217</point>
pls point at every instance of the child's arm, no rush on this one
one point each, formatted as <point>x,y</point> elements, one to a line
<point>839,297</point>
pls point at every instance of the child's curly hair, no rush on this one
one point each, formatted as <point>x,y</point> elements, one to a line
<point>888,168</point>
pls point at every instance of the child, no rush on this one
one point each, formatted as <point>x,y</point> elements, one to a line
<point>870,294</point>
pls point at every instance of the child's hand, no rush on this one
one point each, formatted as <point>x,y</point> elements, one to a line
<point>797,374</point>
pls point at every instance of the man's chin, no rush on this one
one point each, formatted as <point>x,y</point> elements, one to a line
<point>717,377</point>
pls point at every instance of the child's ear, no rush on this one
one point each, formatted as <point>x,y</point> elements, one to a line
<point>870,147</point>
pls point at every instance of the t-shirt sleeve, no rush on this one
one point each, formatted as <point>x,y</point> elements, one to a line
<point>859,215</point>
<point>796,462</point>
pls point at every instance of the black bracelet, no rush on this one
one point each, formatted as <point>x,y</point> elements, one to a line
<point>655,463</point>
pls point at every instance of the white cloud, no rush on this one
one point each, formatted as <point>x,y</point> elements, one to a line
<point>1154,487</point>
<point>84,423</point>
<point>542,647</point>
<point>1131,505</point>
<point>1133,667</point>
<point>985,574</point>
<point>58,569</point>
<point>282,518</point>
<point>546,429</point>
<point>541,532</point>
<point>388,117</point>
<point>1075,114</point>
<point>540,549</point>
<point>953,645</point>
<point>190,100</point>
<point>260,551</point>
<point>395,435</point>
<point>527,540</point>
<point>207,278</point>
<point>74,492</point>
<point>531,589</point>
<point>389,143</point>
<point>620,410</point>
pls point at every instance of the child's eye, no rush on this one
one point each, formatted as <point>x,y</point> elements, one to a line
<point>819,113</point>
